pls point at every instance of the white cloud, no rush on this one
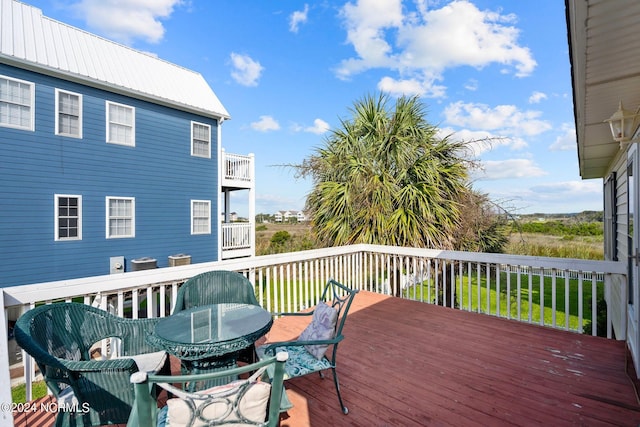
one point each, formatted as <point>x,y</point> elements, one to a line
<point>319,127</point>
<point>557,197</point>
<point>246,71</point>
<point>421,45</point>
<point>125,20</point>
<point>509,169</point>
<point>569,187</point>
<point>265,124</point>
<point>472,85</point>
<point>298,17</point>
<point>536,97</point>
<point>503,119</point>
<point>567,141</point>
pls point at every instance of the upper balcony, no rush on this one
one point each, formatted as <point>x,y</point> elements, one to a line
<point>516,345</point>
<point>238,171</point>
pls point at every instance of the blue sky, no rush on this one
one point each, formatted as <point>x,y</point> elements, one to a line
<point>287,71</point>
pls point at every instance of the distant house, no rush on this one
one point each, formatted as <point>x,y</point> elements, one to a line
<point>110,156</point>
<point>285,216</point>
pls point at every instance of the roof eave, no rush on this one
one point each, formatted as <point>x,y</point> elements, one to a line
<point>110,87</point>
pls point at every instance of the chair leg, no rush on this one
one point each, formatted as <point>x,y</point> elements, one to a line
<point>335,380</point>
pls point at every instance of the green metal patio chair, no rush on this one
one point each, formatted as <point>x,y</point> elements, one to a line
<point>307,354</point>
<point>246,402</point>
<point>218,287</point>
<point>89,392</point>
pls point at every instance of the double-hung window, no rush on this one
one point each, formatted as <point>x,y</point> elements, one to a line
<point>68,114</point>
<point>68,217</point>
<point>17,99</point>
<point>121,121</point>
<point>200,217</point>
<point>121,217</point>
<point>200,140</point>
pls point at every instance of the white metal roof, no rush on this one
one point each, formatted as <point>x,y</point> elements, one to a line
<point>28,39</point>
<point>605,68</point>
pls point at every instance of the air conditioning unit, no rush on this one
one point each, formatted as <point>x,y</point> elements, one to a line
<point>179,259</point>
<point>144,263</point>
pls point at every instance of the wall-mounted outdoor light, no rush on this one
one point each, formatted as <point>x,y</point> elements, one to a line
<point>623,125</point>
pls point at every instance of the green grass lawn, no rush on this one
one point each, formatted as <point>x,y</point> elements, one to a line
<point>18,394</point>
<point>501,298</point>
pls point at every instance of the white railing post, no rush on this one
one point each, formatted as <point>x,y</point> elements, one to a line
<point>6,416</point>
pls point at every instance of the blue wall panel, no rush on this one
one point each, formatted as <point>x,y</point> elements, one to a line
<point>159,172</point>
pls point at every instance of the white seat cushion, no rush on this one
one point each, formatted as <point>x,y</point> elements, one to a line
<point>148,362</point>
<point>217,406</point>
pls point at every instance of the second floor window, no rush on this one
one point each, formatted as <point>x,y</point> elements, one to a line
<point>68,217</point>
<point>68,114</point>
<point>16,103</point>
<point>200,217</point>
<point>200,140</point>
<point>120,217</point>
<point>121,124</point>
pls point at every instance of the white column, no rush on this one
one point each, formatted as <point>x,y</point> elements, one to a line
<point>252,204</point>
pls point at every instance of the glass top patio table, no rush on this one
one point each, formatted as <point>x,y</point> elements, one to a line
<point>210,336</point>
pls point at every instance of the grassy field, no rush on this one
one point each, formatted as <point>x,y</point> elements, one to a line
<point>582,247</point>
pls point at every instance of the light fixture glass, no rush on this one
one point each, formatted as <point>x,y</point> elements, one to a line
<point>623,124</point>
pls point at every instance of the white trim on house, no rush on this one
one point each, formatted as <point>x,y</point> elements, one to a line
<point>126,217</point>
<point>68,113</point>
<point>18,103</point>
<point>201,142</point>
<point>78,217</point>
<point>119,131</point>
<point>200,220</point>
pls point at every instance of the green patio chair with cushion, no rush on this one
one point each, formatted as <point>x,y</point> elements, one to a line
<point>218,287</point>
<point>89,391</point>
<point>244,402</point>
<point>308,353</point>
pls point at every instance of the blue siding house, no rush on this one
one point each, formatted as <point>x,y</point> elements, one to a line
<point>110,158</point>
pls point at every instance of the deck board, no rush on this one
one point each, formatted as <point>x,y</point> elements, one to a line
<point>405,363</point>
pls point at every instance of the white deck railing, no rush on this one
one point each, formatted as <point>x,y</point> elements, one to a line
<point>501,285</point>
<point>237,167</point>
<point>236,235</point>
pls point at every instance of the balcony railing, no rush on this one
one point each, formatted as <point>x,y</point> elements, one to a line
<point>236,235</point>
<point>558,293</point>
<point>237,167</point>
<point>237,240</point>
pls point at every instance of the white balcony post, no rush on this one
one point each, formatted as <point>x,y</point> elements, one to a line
<point>252,204</point>
<point>6,417</point>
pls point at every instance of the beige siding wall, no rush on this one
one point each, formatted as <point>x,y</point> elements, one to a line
<point>617,284</point>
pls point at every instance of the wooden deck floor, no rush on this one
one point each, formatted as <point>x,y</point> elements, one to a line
<point>405,363</point>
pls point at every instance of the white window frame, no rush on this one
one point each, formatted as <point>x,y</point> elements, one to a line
<point>57,198</point>
<point>131,217</point>
<point>132,125</point>
<point>31,105</point>
<point>193,140</point>
<point>58,113</point>
<point>193,216</point>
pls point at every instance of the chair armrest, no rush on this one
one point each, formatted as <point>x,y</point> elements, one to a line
<point>270,347</point>
<point>123,364</point>
<point>134,333</point>
<point>299,313</point>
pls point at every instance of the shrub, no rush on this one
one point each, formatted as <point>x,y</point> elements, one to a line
<point>279,238</point>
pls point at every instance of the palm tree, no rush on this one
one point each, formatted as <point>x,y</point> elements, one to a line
<point>386,177</point>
